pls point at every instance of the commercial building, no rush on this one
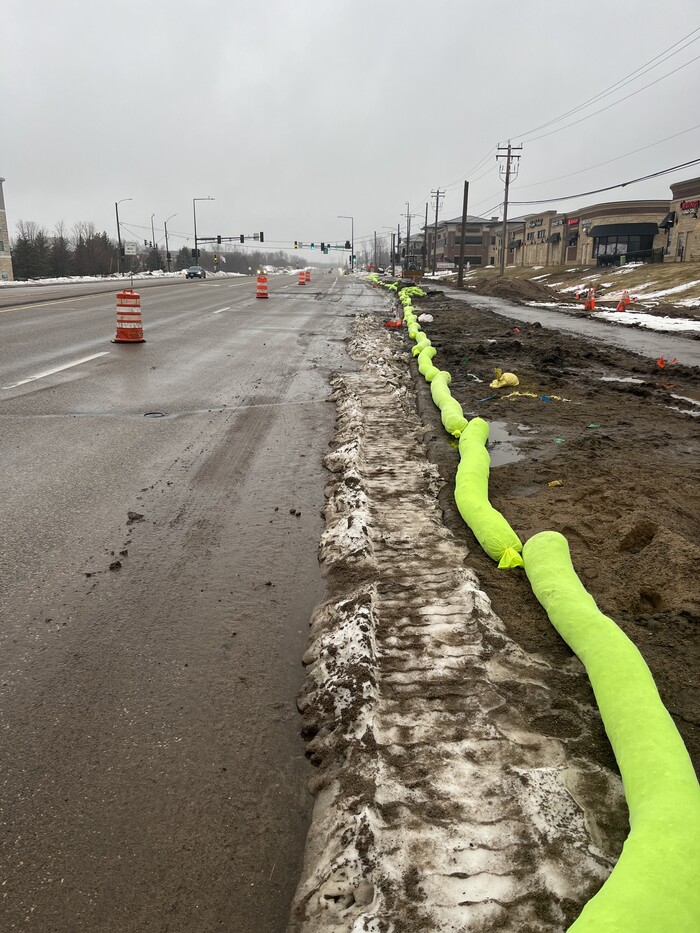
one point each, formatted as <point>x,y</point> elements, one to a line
<point>5,257</point>
<point>611,233</point>
<point>682,226</point>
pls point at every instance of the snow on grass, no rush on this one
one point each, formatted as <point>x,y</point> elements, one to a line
<point>652,321</point>
<point>667,291</point>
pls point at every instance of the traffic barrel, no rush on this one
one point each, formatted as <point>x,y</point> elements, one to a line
<point>129,324</point>
<point>307,275</point>
<point>302,278</point>
<point>261,287</point>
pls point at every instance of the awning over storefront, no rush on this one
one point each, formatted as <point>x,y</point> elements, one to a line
<point>554,238</point>
<point>515,244</point>
<point>572,240</point>
<point>624,230</point>
<point>668,221</point>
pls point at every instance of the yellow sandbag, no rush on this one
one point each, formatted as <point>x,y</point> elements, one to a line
<point>421,344</point>
<point>653,887</point>
<point>425,364</point>
<point>489,527</point>
<point>504,379</point>
<point>451,413</point>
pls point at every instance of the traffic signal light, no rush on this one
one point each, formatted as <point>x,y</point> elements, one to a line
<point>323,247</point>
<point>347,244</point>
<point>218,240</point>
<point>242,238</point>
<point>296,244</point>
<point>312,246</point>
<point>262,237</point>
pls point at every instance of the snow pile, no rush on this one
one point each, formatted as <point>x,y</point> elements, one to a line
<point>440,804</point>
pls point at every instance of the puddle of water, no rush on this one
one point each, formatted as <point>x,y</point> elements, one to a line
<point>501,444</point>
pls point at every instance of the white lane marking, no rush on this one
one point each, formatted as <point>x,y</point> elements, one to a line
<point>41,304</point>
<point>57,369</point>
<point>220,310</point>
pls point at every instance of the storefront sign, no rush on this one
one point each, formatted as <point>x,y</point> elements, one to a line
<point>557,223</point>
<point>572,221</point>
<point>536,223</point>
<point>689,207</point>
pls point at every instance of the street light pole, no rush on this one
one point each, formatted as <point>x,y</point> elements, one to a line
<point>119,232</point>
<point>194,213</point>
<point>352,238</point>
<point>167,248</point>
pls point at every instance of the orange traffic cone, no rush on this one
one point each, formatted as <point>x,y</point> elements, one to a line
<point>261,287</point>
<point>590,300</point>
<point>307,275</point>
<point>624,301</point>
<point>302,278</point>
<point>129,324</point>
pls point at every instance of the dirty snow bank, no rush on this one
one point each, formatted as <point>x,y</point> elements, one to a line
<point>440,806</point>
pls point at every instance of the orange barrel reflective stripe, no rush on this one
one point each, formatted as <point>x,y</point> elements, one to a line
<point>129,324</point>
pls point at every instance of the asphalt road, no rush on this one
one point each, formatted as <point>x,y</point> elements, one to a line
<point>151,773</point>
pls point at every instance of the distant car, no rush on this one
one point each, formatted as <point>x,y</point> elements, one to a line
<point>195,272</point>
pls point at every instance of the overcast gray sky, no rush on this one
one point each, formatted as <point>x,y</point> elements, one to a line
<point>290,113</point>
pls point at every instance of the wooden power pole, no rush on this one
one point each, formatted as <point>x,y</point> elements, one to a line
<point>507,154</point>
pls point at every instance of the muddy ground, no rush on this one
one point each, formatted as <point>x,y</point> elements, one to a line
<point>625,462</point>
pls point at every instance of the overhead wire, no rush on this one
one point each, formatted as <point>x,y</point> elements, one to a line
<point>609,161</point>
<point>624,184</point>
<point>614,103</point>
<point>622,82</point>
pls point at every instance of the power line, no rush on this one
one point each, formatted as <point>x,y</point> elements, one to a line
<point>616,102</point>
<point>623,184</point>
<point>608,161</point>
<point>632,76</point>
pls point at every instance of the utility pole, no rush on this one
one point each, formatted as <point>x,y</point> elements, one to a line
<point>425,241</point>
<point>408,231</point>
<point>393,254</point>
<point>119,232</point>
<point>460,274</point>
<point>437,195</point>
<point>506,152</point>
<point>375,250</point>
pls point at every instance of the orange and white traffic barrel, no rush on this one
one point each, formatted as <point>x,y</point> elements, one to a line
<point>307,275</point>
<point>129,324</point>
<point>261,287</point>
<point>302,278</point>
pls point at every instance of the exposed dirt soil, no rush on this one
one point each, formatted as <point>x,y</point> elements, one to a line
<point>514,289</point>
<point>666,290</point>
<point>626,467</point>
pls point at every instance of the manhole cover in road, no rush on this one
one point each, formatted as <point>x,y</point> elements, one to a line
<point>154,414</point>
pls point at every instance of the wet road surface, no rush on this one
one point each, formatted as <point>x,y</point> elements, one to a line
<point>158,574</point>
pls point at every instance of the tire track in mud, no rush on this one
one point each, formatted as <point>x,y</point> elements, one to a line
<point>439,804</point>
